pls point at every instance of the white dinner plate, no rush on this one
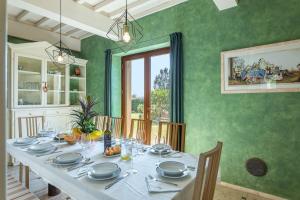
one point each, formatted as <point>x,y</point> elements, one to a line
<point>43,152</point>
<point>172,168</point>
<point>103,170</point>
<point>24,141</point>
<point>162,174</point>
<point>114,175</point>
<point>43,147</point>
<point>153,151</point>
<point>68,158</point>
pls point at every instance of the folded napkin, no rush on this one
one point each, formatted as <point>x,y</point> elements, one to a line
<point>158,187</point>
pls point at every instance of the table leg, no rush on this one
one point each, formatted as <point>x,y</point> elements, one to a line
<point>53,191</point>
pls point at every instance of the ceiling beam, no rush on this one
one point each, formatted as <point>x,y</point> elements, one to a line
<point>80,1</point>
<point>100,6</point>
<point>41,21</point>
<point>225,4</point>
<point>72,32</point>
<point>34,33</point>
<point>57,27</point>
<point>119,11</point>
<point>86,35</point>
<point>157,8</point>
<point>73,14</point>
<point>20,16</point>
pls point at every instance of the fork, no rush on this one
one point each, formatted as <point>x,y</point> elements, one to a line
<point>162,181</point>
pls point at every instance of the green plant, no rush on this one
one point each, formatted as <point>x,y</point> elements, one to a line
<point>83,118</point>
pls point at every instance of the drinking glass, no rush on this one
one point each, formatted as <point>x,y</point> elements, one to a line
<point>140,144</point>
<point>85,142</point>
<point>130,152</point>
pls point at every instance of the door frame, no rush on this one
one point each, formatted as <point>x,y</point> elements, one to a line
<point>147,73</point>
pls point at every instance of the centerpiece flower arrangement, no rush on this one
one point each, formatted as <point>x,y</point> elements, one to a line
<point>83,120</point>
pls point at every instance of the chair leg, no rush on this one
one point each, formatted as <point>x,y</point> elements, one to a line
<point>27,177</point>
<point>21,172</point>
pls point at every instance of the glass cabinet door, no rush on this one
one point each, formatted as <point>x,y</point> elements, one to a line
<point>29,81</point>
<point>56,84</point>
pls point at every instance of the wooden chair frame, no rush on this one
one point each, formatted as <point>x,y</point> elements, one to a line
<point>32,131</point>
<point>174,132</point>
<point>115,125</point>
<point>101,122</point>
<point>207,173</point>
<point>142,127</point>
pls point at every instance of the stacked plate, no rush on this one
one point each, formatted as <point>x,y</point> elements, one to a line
<point>22,142</point>
<point>43,148</point>
<point>103,171</point>
<point>46,133</point>
<point>164,148</point>
<point>67,159</point>
<point>172,169</point>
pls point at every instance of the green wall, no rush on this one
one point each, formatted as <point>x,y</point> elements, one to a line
<point>250,125</point>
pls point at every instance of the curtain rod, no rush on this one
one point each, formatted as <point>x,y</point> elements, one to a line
<point>153,39</point>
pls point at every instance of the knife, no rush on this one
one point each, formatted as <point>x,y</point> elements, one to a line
<point>78,166</point>
<point>115,181</point>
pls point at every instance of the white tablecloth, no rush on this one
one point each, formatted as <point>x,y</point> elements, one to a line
<point>132,188</point>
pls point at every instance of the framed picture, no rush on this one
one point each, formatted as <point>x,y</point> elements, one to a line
<point>267,68</point>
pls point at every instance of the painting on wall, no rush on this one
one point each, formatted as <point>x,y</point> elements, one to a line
<point>267,68</point>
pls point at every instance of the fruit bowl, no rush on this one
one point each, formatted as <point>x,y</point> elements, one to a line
<point>70,139</point>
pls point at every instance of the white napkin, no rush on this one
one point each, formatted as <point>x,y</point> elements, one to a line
<point>158,187</point>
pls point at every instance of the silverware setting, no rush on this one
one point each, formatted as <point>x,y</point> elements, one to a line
<point>161,181</point>
<point>163,191</point>
<point>83,163</point>
<point>46,154</point>
<point>117,180</point>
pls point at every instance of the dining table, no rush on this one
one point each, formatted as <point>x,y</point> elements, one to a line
<point>133,187</point>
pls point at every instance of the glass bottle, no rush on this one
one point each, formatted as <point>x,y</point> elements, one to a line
<point>107,138</point>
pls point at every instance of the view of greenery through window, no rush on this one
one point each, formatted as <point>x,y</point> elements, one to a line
<point>160,90</point>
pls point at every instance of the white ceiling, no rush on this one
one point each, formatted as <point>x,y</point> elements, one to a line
<point>81,18</point>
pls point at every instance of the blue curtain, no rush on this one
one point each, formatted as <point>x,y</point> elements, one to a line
<point>176,76</point>
<point>107,89</point>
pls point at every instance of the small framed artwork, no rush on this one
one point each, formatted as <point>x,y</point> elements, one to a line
<point>267,68</point>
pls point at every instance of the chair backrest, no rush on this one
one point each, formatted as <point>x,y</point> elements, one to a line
<point>207,173</point>
<point>172,134</point>
<point>115,125</point>
<point>101,122</point>
<point>32,125</point>
<point>138,129</point>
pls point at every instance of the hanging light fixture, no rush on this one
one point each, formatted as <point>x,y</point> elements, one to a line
<point>125,31</point>
<point>59,53</point>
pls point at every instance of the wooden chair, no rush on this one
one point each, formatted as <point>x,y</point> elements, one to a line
<point>138,129</point>
<point>207,173</point>
<point>115,125</point>
<point>15,190</point>
<point>32,126</point>
<point>101,122</point>
<point>170,133</point>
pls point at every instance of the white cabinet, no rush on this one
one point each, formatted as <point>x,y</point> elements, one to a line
<point>37,87</point>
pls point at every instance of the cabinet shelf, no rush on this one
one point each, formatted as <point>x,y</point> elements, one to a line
<point>77,91</point>
<point>28,90</point>
<point>58,75</point>
<point>29,72</point>
<point>56,91</point>
<point>77,77</point>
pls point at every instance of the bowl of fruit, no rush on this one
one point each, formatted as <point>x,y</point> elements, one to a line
<point>70,139</point>
<point>112,151</point>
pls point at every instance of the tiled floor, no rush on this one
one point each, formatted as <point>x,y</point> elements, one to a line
<point>39,187</point>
